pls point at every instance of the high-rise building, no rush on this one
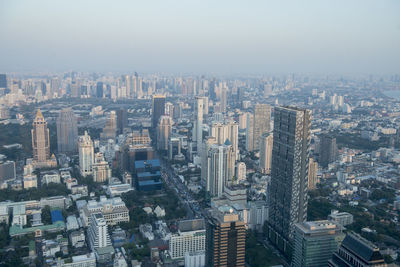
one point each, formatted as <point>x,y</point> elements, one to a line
<point>99,89</point>
<point>287,196</point>
<point>266,153</point>
<point>40,139</point>
<point>164,131</point>
<point>191,237</point>
<point>198,123</point>
<point>315,242</point>
<point>98,232</point>
<point>262,118</point>
<point>357,251</point>
<point>226,238</point>
<point>240,171</point>
<point>258,124</point>
<point>99,238</point>
<point>86,154</point>
<point>158,109</point>
<point>328,150</point>
<point>110,129</point>
<point>3,81</point>
<point>177,113</point>
<point>312,174</point>
<point>220,168</point>
<point>67,131</point>
<point>122,120</point>
<point>249,131</point>
<point>174,147</point>
<point>100,169</point>
<point>228,130</point>
<point>205,147</point>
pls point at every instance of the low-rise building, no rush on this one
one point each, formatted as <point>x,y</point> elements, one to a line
<point>72,223</point>
<point>342,218</point>
<point>53,177</point>
<point>113,210</point>
<point>86,260</point>
<point>77,238</point>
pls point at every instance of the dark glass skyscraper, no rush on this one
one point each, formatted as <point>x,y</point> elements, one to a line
<point>67,131</point>
<point>3,81</point>
<point>122,120</point>
<point>158,109</point>
<point>99,89</point>
<point>328,150</point>
<point>287,196</point>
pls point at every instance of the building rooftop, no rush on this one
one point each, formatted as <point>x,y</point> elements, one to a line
<point>143,163</point>
<point>191,225</point>
<point>362,247</point>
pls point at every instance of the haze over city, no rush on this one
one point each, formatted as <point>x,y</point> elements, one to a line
<point>201,36</point>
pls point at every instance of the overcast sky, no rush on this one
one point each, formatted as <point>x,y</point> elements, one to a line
<point>225,36</point>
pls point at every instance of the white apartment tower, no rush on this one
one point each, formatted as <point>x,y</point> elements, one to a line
<point>220,169</point>
<point>86,154</point>
<point>98,232</point>
<point>266,144</point>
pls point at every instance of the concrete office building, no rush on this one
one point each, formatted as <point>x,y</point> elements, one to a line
<point>191,237</point>
<point>315,242</point>
<point>226,238</point>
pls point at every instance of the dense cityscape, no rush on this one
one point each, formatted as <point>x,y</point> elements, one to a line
<point>229,133</point>
<point>167,170</point>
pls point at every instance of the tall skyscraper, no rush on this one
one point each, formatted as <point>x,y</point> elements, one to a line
<point>258,124</point>
<point>110,129</point>
<point>315,242</point>
<point>262,118</point>
<point>164,131</point>
<point>205,147</point>
<point>40,139</point>
<point>249,131</point>
<point>312,174</point>
<point>226,238</point>
<point>3,81</point>
<point>228,130</point>
<point>158,109</point>
<point>100,169</point>
<point>122,120</point>
<point>287,196</point>
<point>266,153</point>
<point>67,131</point>
<point>98,232</point>
<point>86,154</point>
<point>220,168</point>
<point>99,89</point>
<point>198,123</point>
<point>328,150</point>
<point>357,251</point>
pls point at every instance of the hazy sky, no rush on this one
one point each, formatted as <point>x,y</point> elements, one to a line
<point>225,36</point>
